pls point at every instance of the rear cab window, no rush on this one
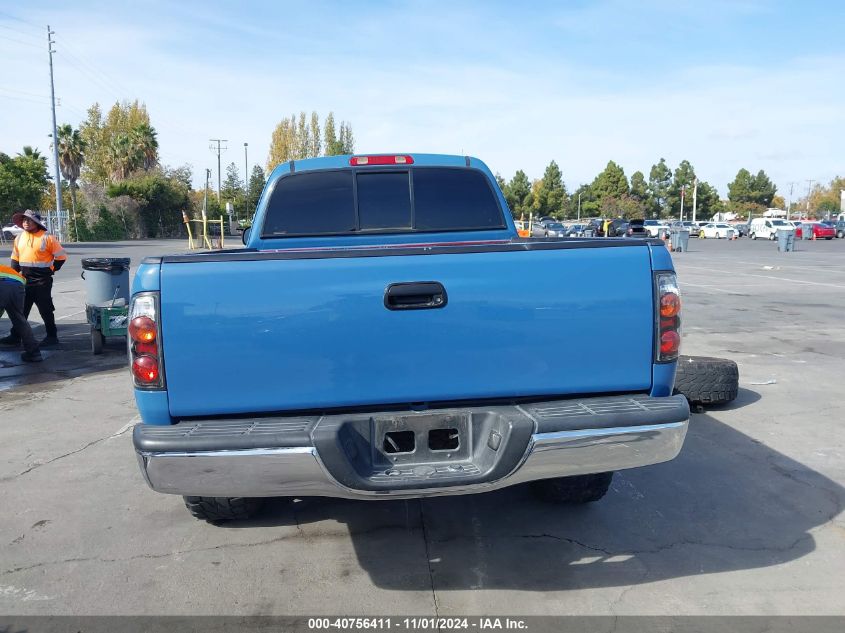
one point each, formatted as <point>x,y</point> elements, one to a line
<point>361,201</point>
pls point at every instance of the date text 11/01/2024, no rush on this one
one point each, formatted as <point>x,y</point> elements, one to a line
<point>416,623</point>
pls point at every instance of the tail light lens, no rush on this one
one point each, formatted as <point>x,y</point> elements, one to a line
<point>145,357</point>
<point>668,317</point>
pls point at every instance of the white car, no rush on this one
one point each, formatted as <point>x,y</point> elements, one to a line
<point>653,227</point>
<point>717,230</point>
<point>11,231</point>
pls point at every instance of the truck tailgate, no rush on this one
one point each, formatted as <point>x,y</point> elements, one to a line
<point>275,333</point>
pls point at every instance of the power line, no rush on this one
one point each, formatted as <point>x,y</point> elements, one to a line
<point>23,92</point>
<point>18,31</point>
<point>87,62</point>
<point>11,39</point>
<point>12,17</point>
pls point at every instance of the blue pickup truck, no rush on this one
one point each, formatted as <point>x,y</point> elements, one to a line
<point>382,336</point>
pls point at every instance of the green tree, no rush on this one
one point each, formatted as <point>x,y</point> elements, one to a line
<point>347,139</point>
<point>610,183</point>
<point>747,189</point>
<point>314,133</point>
<point>71,158</point>
<point>589,205</point>
<point>254,189</point>
<point>682,182</point>
<point>659,183</point>
<point>162,201</point>
<point>232,190</point>
<point>119,143</point>
<point>639,187</point>
<point>144,145</point>
<point>518,190</point>
<point>23,181</point>
<point>550,196</point>
<point>331,144</point>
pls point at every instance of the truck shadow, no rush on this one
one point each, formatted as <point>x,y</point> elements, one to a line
<point>727,503</point>
<point>73,358</point>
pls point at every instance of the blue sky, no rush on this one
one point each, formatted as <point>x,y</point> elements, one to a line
<point>722,84</point>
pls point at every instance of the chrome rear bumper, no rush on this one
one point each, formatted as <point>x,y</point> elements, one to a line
<point>296,471</point>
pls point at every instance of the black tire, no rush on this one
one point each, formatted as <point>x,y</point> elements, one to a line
<point>840,235</point>
<point>219,509</point>
<point>97,340</point>
<point>704,380</point>
<point>577,489</point>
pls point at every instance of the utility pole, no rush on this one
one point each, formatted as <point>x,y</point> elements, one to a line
<point>809,188</point>
<point>205,195</point>
<point>694,195</point>
<point>218,141</point>
<point>579,206</point>
<point>246,170</point>
<point>683,191</point>
<point>789,201</point>
<point>50,42</point>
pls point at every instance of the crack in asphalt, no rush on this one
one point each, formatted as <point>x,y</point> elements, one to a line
<point>15,570</point>
<point>55,459</point>
<point>428,559</point>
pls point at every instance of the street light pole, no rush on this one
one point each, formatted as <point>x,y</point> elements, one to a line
<point>246,168</point>
<point>809,188</point>
<point>694,195</point>
<point>579,206</point>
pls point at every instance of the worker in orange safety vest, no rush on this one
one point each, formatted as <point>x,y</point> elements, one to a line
<point>12,294</point>
<point>37,255</point>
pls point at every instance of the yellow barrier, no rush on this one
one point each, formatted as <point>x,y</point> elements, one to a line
<point>204,241</point>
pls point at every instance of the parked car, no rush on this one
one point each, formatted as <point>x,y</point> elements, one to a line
<point>741,229</point>
<point>554,229</point>
<point>594,228</point>
<point>819,230</point>
<point>617,228</point>
<point>839,227</point>
<point>766,228</point>
<point>653,226</point>
<point>717,230</point>
<point>636,228</point>
<point>575,230</point>
<point>11,231</point>
<point>344,347</point>
<point>686,225</point>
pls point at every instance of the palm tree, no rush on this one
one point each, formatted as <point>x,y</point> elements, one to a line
<point>122,156</point>
<point>29,152</point>
<point>145,144</point>
<point>71,156</point>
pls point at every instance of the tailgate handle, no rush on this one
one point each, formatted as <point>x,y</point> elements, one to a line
<point>416,295</point>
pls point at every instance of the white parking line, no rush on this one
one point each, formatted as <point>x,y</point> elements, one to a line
<point>67,316</point>
<point>797,281</point>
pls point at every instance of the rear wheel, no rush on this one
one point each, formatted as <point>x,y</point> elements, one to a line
<point>753,236</point>
<point>578,489</point>
<point>219,509</point>
<point>705,380</point>
<point>97,340</point>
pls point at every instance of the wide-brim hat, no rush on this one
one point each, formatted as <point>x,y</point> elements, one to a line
<point>32,215</point>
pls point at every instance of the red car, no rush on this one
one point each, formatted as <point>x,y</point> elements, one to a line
<point>819,230</point>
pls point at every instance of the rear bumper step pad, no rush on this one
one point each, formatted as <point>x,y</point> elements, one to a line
<point>346,455</point>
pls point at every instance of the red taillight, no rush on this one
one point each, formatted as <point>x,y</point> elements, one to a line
<point>145,369</point>
<point>146,360</point>
<point>670,342</point>
<point>670,305</point>
<point>142,329</point>
<point>668,317</point>
<point>146,348</point>
<point>357,161</point>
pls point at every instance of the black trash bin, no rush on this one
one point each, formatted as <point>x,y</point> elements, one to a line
<point>106,279</point>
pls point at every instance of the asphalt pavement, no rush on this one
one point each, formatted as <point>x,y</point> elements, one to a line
<point>747,520</point>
